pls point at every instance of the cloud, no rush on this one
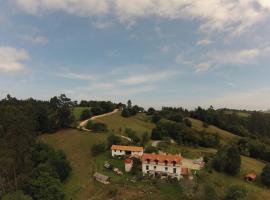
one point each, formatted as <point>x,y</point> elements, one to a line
<point>77,76</point>
<point>35,39</point>
<point>11,59</point>
<point>255,99</point>
<point>146,78</point>
<point>202,67</point>
<point>204,42</point>
<point>214,15</point>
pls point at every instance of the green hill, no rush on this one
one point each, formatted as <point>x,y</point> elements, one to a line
<point>80,185</point>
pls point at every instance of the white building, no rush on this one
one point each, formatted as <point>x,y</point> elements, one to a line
<point>122,151</point>
<point>163,165</point>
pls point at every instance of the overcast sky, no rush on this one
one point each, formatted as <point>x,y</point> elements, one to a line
<point>154,52</point>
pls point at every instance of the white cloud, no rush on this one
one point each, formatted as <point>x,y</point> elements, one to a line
<point>11,59</point>
<point>77,76</point>
<point>256,99</point>
<point>35,39</point>
<point>146,78</point>
<point>214,15</point>
<point>202,67</point>
<point>204,42</point>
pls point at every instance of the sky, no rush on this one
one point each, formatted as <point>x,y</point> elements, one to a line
<point>155,52</point>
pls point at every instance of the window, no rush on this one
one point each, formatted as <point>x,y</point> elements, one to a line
<point>147,167</point>
<point>174,170</point>
<point>156,162</point>
<point>148,161</point>
<point>120,151</point>
<point>166,162</point>
<point>174,163</point>
<point>166,168</point>
<point>155,167</point>
<point>114,150</point>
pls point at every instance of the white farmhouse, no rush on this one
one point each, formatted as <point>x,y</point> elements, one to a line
<point>163,165</point>
<point>122,151</point>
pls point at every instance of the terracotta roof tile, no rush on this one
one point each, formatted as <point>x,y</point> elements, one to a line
<point>162,158</point>
<point>126,148</point>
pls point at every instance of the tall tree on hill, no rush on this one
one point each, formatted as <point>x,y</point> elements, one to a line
<point>265,175</point>
<point>129,104</point>
<point>233,161</point>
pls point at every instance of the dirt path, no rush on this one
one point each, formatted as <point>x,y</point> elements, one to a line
<point>83,124</point>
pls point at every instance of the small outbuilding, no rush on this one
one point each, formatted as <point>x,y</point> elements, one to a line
<point>128,164</point>
<point>251,177</point>
<point>101,178</point>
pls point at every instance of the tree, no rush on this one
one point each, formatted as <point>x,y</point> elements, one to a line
<point>18,195</point>
<point>176,117</point>
<point>233,161</point>
<point>265,175</point>
<point>98,149</point>
<point>145,138</point>
<point>151,111</point>
<point>156,134</point>
<point>156,118</point>
<point>129,104</point>
<point>187,122</point>
<point>97,110</point>
<point>113,140</point>
<point>227,159</point>
<point>97,126</point>
<point>236,192</point>
<point>125,113</point>
<point>45,187</point>
<point>86,114</point>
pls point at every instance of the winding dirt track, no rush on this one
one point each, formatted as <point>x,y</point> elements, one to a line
<point>83,124</point>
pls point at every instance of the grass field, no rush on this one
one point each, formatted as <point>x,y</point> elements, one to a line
<point>80,185</point>
<point>224,135</point>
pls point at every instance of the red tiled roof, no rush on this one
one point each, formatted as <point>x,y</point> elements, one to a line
<point>128,161</point>
<point>126,148</point>
<point>251,176</point>
<point>162,158</point>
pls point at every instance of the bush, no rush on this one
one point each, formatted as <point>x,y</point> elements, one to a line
<point>98,149</point>
<point>86,114</point>
<point>156,134</point>
<point>151,149</point>
<point>125,113</point>
<point>151,111</point>
<point>18,195</point>
<point>156,118</point>
<point>113,140</point>
<point>97,126</point>
<point>265,175</point>
<point>187,122</point>
<point>176,118</point>
<point>97,110</point>
<point>132,135</point>
<point>236,192</point>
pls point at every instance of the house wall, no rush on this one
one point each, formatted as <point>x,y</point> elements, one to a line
<point>122,153</point>
<point>160,168</point>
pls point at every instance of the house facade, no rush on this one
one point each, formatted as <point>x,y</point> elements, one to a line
<point>164,165</point>
<point>125,151</point>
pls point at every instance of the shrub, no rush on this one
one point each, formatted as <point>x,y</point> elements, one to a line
<point>187,122</point>
<point>156,118</point>
<point>265,175</point>
<point>98,149</point>
<point>86,114</point>
<point>151,149</point>
<point>125,113</point>
<point>236,192</point>
<point>97,126</point>
<point>18,195</point>
<point>113,140</point>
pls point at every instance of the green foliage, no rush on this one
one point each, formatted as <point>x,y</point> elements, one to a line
<point>227,159</point>
<point>18,195</point>
<point>97,126</point>
<point>265,175</point>
<point>151,111</point>
<point>151,149</point>
<point>209,192</point>
<point>145,139</point>
<point>176,117</point>
<point>86,114</point>
<point>98,149</point>
<point>136,169</point>
<point>45,187</point>
<point>132,135</point>
<point>236,192</point>
<point>156,118</point>
<point>125,113</point>
<point>113,140</point>
<point>187,122</point>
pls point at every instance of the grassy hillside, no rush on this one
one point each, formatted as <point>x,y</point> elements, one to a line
<point>139,123</point>
<point>224,135</point>
<point>80,185</point>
